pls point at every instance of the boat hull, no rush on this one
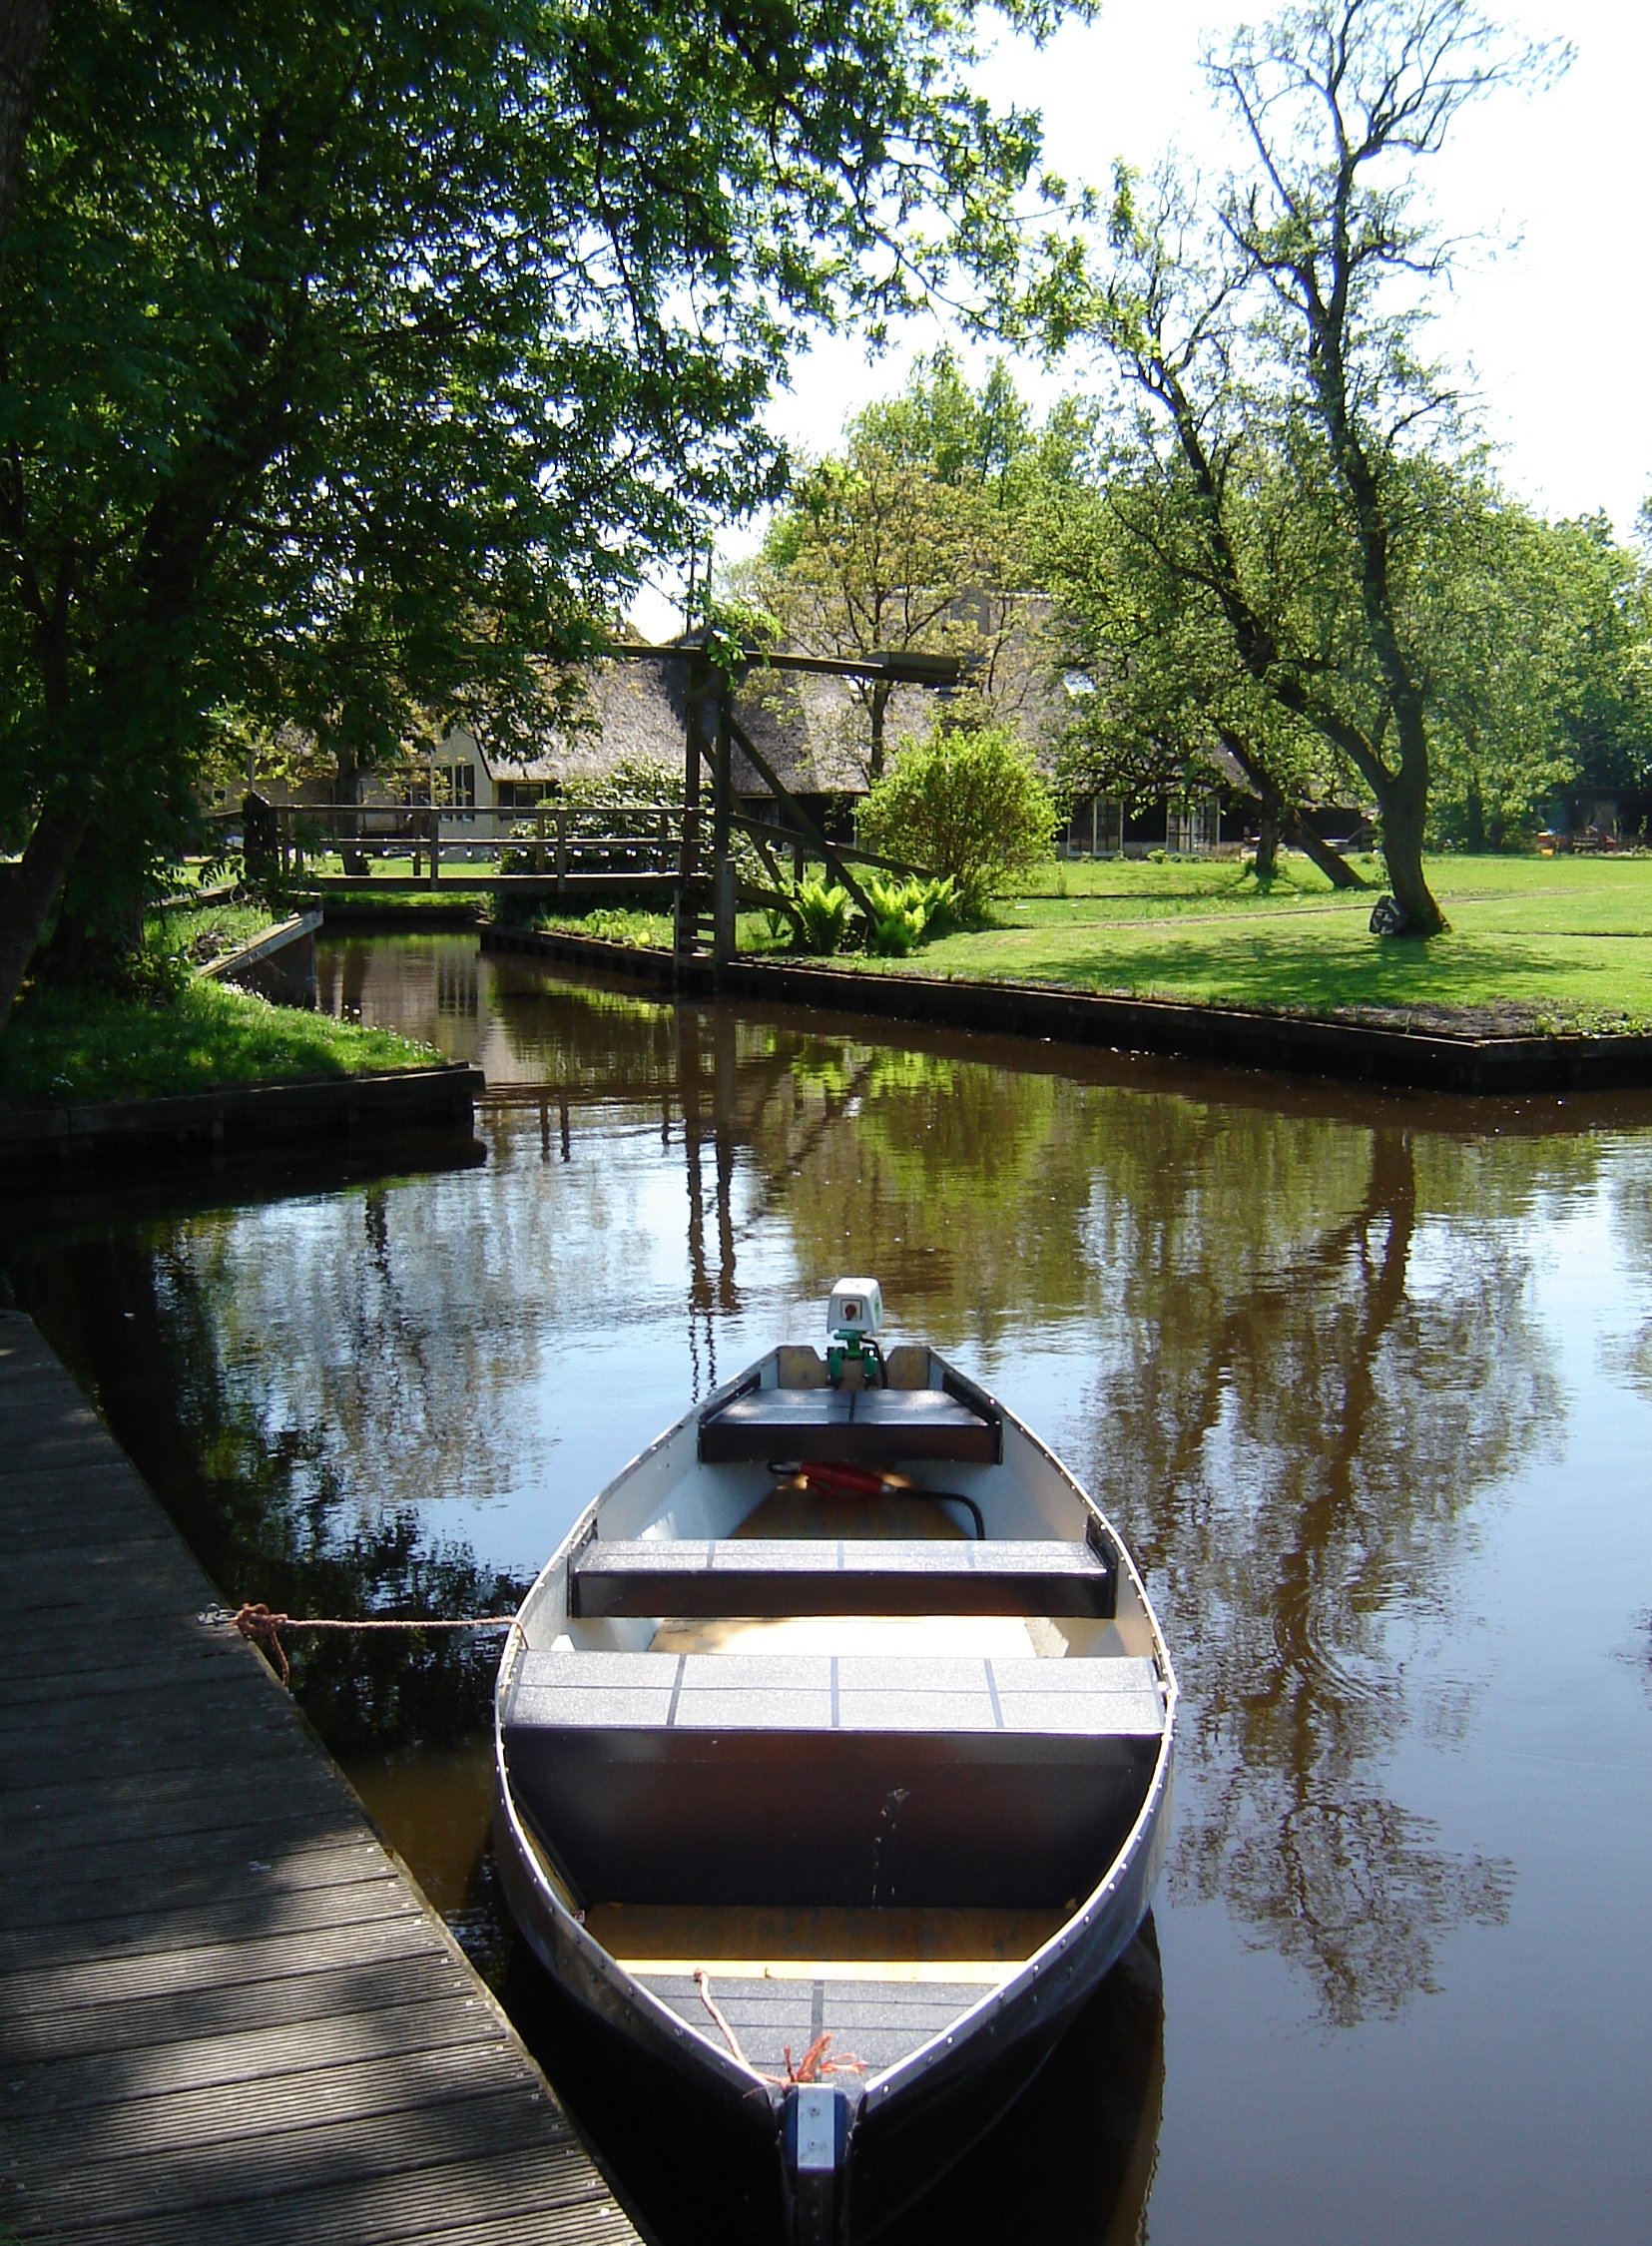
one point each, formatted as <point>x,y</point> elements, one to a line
<point>912,2125</point>
<point>899,2132</point>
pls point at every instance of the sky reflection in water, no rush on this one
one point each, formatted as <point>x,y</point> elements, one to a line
<point>1366,1382</point>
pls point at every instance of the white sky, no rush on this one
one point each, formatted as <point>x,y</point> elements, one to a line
<point>1553,322</point>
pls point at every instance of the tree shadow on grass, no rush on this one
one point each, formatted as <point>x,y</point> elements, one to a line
<point>1527,983</point>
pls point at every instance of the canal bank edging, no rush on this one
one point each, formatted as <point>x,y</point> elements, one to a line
<point>1227,1037</point>
<point>387,1105</point>
<point>279,962</point>
<point>224,2004</point>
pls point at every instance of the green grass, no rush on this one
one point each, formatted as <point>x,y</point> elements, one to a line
<point>199,933</point>
<point>65,1046</point>
<point>1534,945</point>
<point>1536,942</point>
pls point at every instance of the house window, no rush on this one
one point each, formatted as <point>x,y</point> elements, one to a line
<point>1194,831</point>
<point>1096,828</point>
<point>458,784</point>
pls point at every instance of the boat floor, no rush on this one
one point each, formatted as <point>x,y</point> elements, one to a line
<point>874,2024</point>
<point>879,1982</point>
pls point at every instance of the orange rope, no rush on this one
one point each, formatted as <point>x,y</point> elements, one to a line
<point>702,1981</point>
<point>813,2066</point>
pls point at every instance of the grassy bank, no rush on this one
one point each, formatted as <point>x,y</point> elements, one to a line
<point>1534,945</point>
<point>67,1046</point>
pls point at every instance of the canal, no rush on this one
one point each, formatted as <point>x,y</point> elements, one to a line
<point>1366,1379</point>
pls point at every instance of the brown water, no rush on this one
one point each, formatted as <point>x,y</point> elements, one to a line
<point>1366,1382</point>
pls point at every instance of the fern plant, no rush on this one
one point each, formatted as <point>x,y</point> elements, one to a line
<point>820,914</point>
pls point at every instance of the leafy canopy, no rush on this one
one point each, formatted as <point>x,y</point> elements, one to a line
<point>353,361</point>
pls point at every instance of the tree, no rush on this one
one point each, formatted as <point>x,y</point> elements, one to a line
<point>506,281</point>
<point>25,27</point>
<point>918,536</point>
<point>1296,308</point>
<point>1163,704</point>
<point>967,802</point>
<point>1540,675</point>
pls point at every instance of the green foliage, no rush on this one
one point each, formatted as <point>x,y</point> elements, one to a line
<point>970,802</point>
<point>903,912</point>
<point>920,535</point>
<point>819,911</point>
<point>357,362</point>
<point>180,1035</point>
<point>733,627</point>
<point>631,780</point>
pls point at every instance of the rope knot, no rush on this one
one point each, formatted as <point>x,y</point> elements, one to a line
<point>256,1623</point>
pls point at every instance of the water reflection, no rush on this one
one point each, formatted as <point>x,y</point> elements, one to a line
<point>1312,1346</point>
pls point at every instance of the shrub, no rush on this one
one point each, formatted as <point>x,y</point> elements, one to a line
<point>971,804</point>
<point>820,914</point>
<point>905,912</point>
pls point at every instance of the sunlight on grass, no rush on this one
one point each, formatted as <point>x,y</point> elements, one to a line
<point>1556,942</point>
<point>63,1046</point>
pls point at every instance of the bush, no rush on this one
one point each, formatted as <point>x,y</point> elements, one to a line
<point>970,803</point>
<point>905,912</point>
<point>820,914</point>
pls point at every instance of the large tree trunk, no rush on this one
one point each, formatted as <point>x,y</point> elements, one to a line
<point>33,888</point>
<point>1266,841</point>
<point>25,26</point>
<point>1404,805</point>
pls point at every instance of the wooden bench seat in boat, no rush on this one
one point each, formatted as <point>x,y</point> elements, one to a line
<point>821,1576</point>
<point>820,1779</point>
<point>851,1426</point>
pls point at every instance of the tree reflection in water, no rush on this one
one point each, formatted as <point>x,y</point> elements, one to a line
<point>1290,1332</point>
<point>254,1472</point>
<point>1313,1349</point>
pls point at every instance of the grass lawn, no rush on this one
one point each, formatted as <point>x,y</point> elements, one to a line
<point>199,933</point>
<point>1533,943</point>
<point>66,1047</point>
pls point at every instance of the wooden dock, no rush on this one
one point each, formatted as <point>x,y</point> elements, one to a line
<point>225,2009</point>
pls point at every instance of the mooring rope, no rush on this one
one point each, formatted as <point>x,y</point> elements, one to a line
<point>262,1627</point>
<point>813,2066</point>
<point>702,1981</point>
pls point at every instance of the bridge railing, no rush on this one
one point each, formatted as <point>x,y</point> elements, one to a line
<point>548,841</point>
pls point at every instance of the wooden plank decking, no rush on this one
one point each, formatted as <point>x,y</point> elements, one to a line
<point>224,2010</point>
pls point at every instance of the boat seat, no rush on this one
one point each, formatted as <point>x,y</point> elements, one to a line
<point>784,1575</point>
<point>860,1426</point>
<point>815,1779</point>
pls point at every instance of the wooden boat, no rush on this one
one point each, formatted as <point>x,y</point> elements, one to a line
<point>834,1753</point>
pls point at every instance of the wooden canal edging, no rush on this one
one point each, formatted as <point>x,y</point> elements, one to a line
<point>1229,1037</point>
<point>423,1104</point>
<point>279,962</point>
<point>226,2011</point>
<point>231,967</point>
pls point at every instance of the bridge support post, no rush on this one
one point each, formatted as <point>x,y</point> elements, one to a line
<point>723,897</point>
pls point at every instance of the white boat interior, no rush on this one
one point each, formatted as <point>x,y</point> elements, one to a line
<point>834,1709</point>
